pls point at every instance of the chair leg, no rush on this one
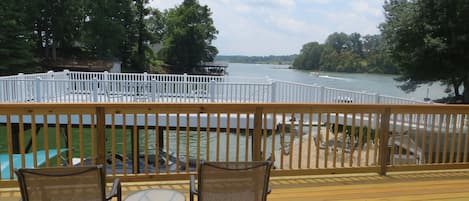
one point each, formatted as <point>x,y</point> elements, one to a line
<point>192,190</point>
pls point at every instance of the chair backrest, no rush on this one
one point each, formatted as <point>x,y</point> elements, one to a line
<point>234,181</point>
<point>62,183</point>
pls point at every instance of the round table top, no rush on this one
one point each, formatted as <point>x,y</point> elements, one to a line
<point>156,195</point>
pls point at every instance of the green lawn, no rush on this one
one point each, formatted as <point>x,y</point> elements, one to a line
<point>53,136</point>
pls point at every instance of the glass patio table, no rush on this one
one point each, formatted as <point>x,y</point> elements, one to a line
<point>156,195</point>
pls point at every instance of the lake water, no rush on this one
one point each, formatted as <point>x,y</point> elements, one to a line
<point>373,83</point>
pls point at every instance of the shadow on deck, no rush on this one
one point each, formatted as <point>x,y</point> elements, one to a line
<point>428,185</point>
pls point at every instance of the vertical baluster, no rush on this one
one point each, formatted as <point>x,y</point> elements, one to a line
<point>228,136</point>
<point>80,131</point>
<point>409,139</point>
<point>208,137</point>
<point>300,143</point>
<point>238,132</point>
<point>247,131</point>
<point>45,131</point>
<point>178,139</point>
<point>352,139</point>
<point>198,141</point>
<point>318,139</point>
<point>57,138</point>
<point>292,139</point>
<point>145,144</point>
<point>460,140</point>
<point>187,141</point>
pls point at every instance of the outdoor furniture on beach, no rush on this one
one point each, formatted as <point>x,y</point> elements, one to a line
<point>234,181</point>
<point>87,183</point>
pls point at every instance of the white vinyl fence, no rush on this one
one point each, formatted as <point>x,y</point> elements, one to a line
<point>70,86</point>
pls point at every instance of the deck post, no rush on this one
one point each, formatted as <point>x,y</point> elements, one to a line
<point>257,135</point>
<point>37,83</point>
<point>101,136</point>
<point>383,141</point>
<point>95,89</point>
<point>212,90</point>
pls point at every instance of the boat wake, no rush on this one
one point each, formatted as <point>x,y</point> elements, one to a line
<point>333,78</point>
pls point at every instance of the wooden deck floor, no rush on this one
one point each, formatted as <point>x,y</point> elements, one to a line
<point>434,185</point>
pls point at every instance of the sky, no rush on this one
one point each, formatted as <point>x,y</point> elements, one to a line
<point>282,27</point>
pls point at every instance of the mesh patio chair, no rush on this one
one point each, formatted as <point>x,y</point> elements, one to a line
<point>232,181</point>
<point>87,183</point>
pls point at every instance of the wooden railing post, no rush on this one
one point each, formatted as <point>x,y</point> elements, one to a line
<point>101,135</point>
<point>383,141</point>
<point>257,135</point>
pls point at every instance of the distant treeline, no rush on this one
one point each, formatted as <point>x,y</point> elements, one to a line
<point>288,59</point>
<point>346,53</point>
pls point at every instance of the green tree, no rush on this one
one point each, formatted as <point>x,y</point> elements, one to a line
<point>356,44</point>
<point>16,48</point>
<point>309,57</point>
<point>107,27</point>
<point>429,40</point>
<point>189,34</point>
<point>338,41</point>
<point>56,26</point>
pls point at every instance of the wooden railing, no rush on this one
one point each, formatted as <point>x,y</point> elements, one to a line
<point>168,141</point>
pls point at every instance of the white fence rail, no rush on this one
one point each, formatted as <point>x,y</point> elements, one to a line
<point>69,86</point>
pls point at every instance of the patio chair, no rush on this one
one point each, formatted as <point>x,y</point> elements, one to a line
<point>86,183</point>
<point>232,181</point>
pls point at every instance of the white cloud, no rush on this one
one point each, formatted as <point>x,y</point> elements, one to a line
<point>280,27</point>
<point>320,1</point>
<point>363,6</point>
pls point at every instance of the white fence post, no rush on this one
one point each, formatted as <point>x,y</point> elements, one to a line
<point>3,95</point>
<point>273,92</point>
<point>67,74</point>
<point>322,94</point>
<point>67,88</point>
<point>106,83</point>
<point>377,98</point>
<point>95,89</point>
<point>212,90</point>
<point>186,87</point>
<point>37,83</point>
<point>153,90</point>
<point>50,74</point>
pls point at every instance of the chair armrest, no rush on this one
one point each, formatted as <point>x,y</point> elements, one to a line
<point>193,191</point>
<point>116,190</point>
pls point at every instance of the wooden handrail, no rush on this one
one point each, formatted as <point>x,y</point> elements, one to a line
<point>300,138</point>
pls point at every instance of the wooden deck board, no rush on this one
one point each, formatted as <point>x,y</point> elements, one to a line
<point>405,186</point>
